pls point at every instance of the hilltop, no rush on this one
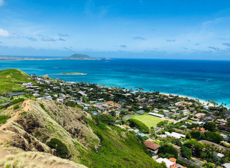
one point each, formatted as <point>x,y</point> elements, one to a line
<point>81,57</point>
<point>11,80</point>
<point>48,133</point>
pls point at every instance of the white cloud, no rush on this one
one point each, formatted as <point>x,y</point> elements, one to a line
<point>5,33</point>
<point>1,2</point>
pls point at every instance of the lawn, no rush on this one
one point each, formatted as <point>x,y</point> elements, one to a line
<point>148,120</point>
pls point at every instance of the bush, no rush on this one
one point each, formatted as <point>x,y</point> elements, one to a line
<point>139,125</point>
<point>16,107</point>
<point>4,118</point>
<point>107,119</point>
<point>213,136</point>
<point>61,148</point>
<point>185,164</point>
<point>168,149</point>
<point>70,103</point>
<point>186,152</point>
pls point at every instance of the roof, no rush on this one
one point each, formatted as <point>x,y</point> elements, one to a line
<point>226,165</point>
<point>198,115</point>
<point>172,159</point>
<point>166,161</point>
<point>149,144</point>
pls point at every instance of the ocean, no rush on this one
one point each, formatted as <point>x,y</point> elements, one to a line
<point>205,80</point>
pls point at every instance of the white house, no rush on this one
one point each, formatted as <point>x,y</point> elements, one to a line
<point>166,161</point>
<point>175,135</point>
<point>155,114</point>
<point>61,100</point>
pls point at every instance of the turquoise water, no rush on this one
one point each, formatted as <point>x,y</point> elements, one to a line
<point>206,80</point>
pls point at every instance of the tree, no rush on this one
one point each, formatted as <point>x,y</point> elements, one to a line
<point>196,134</point>
<point>186,152</point>
<point>160,124</point>
<point>139,125</point>
<point>152,131</point>
<point>168,149</point>
<point>113,113</point>
<point>210,126</point>
<point>208,165</point>
<point>213,136</point>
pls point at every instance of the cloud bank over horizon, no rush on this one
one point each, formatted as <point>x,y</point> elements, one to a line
<point>178,30</point>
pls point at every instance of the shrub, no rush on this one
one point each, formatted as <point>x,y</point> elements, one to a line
<point>139,125</point>
<point>4,118</point>
<point>168,149</point>
<point>186,152</point>
<point>185,164</point>
<point>61,148</point>
<point>213,136</point>
<point>107,119</point>
<point>70,103</point>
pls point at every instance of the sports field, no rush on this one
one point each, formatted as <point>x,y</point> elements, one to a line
<point>148,120</point>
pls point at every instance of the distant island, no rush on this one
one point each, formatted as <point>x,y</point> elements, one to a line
<point>72,57</point>
<point>73,73</point>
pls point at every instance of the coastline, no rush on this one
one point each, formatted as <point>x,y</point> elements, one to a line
<point>183,96</point>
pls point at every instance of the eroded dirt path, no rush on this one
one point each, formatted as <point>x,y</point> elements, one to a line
<point>26,105</point>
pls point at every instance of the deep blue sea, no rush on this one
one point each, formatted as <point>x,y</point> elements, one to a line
<point>205,80</point>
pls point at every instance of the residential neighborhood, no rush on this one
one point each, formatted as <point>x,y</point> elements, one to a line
<point>179,131</point>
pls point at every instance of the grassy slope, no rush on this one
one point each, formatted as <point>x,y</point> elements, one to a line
<point>120,149</point>
<point>11,80</point>
<point>147,119</point>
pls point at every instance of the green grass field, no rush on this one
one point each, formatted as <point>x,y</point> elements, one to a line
<point>147,119</point>
<point>11,80</point>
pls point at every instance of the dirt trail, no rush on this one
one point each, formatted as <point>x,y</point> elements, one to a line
<point>26,105</point>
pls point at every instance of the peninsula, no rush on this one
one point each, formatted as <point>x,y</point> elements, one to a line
<point>72,57</point>
<point>73,73</point>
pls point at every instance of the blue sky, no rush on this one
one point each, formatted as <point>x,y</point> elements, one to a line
<point>167,29</point>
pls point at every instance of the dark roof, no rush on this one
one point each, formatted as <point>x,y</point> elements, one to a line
<point>227,113</point>
<point>16,94</point>
<point>224,127</point>
<point>151,145</point>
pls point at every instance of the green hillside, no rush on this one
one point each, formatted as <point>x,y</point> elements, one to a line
<point>11,80</point>
<point>79,56</point>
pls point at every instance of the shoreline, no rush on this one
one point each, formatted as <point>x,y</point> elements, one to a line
<point>196,99</point>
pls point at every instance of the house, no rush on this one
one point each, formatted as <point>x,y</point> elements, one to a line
<point>221,121</point>
<point>35,95</point>
<point>94,112</point>
<point>152,146</point>
<point>62,100</point>
<point>185,111</point>
<point>226,165</point>
<point>141,112</point>
<point>166,161</point>
<point>200,129</point>
<point>220,155</point>
<point>225,137</point>
<point>155,114</point>
<point>225,128</point>
<point>227,114</point>
<point>209,118</point>
<point>175,135</point>
<point>82,93</point>
<point>200,115</point>
<point>16,94</point>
